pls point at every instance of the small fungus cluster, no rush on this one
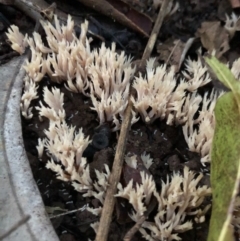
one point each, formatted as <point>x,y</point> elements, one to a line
<point>179,197</point>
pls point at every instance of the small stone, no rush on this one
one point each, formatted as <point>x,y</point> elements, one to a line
<point>174,163</point>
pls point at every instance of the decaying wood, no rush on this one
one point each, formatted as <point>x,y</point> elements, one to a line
<point>108,207</point>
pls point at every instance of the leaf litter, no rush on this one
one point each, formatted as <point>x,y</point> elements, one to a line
<point>167,146</point>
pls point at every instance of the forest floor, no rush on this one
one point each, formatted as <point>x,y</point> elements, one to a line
<point>165,144</point>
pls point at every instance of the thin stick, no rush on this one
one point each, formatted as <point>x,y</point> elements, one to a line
<point>68,212</point>
<point>184,52</point>
<point>170,55</point>
<point>14,227</point>
<point>152,40</point>
<point>106,216</point>
<point>128,236</point>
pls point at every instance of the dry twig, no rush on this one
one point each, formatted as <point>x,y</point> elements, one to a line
<point>153,37</point>
<point>128,236</point>
<point>68,212</point>
<point>109,202</point>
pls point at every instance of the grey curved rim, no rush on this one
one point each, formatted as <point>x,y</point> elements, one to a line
<point>19,195</point>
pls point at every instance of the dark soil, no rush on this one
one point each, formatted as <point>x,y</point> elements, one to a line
<point>165,144</point>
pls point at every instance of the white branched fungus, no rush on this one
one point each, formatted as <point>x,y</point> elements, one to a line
<point>64,144</point>
<point>65,147</point>
<point>67,58</point>
<point>30,93</point>
<point>153,92</point>
<point>99,189</point>
<point>36,68</point>
<point>140,196</point>
<point>196,74</point>
<point>17,39</point>
<point>37,45</point>
<point>199,138</point>
<point>159,95</point>
<point>104,75</point>
<point>178,198</point>
<point>174,113</point>
<point>54,100</point>
<point>232,24</point>
<point>70,57</point>
<point>131,160</point>
<point>147,160</point>
<point>40,147</point>
<point>56,34</point>
<point>110,76</point>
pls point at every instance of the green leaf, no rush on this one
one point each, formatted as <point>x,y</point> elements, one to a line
<point>224,166</point>
<point>225,156</point>
<point>225,75</point>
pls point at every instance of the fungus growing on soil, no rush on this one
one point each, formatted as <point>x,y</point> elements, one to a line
<point>17,39</point>
<point>110,75</point>
<point>131,160</point>
<point>64,145</point>
<point>29,94</point>
<point>103,75</point>
<point>179,197</point>
<point>199,139</point>
<point>196,74</point>
<point>153,92</point>
<point>160,96</point>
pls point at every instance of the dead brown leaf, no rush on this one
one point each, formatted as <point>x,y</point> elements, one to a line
<point>123,13</point>
<point>173,51</point>
<point>214,37</point>
<point>164,49</point>
<point>235,3</point>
